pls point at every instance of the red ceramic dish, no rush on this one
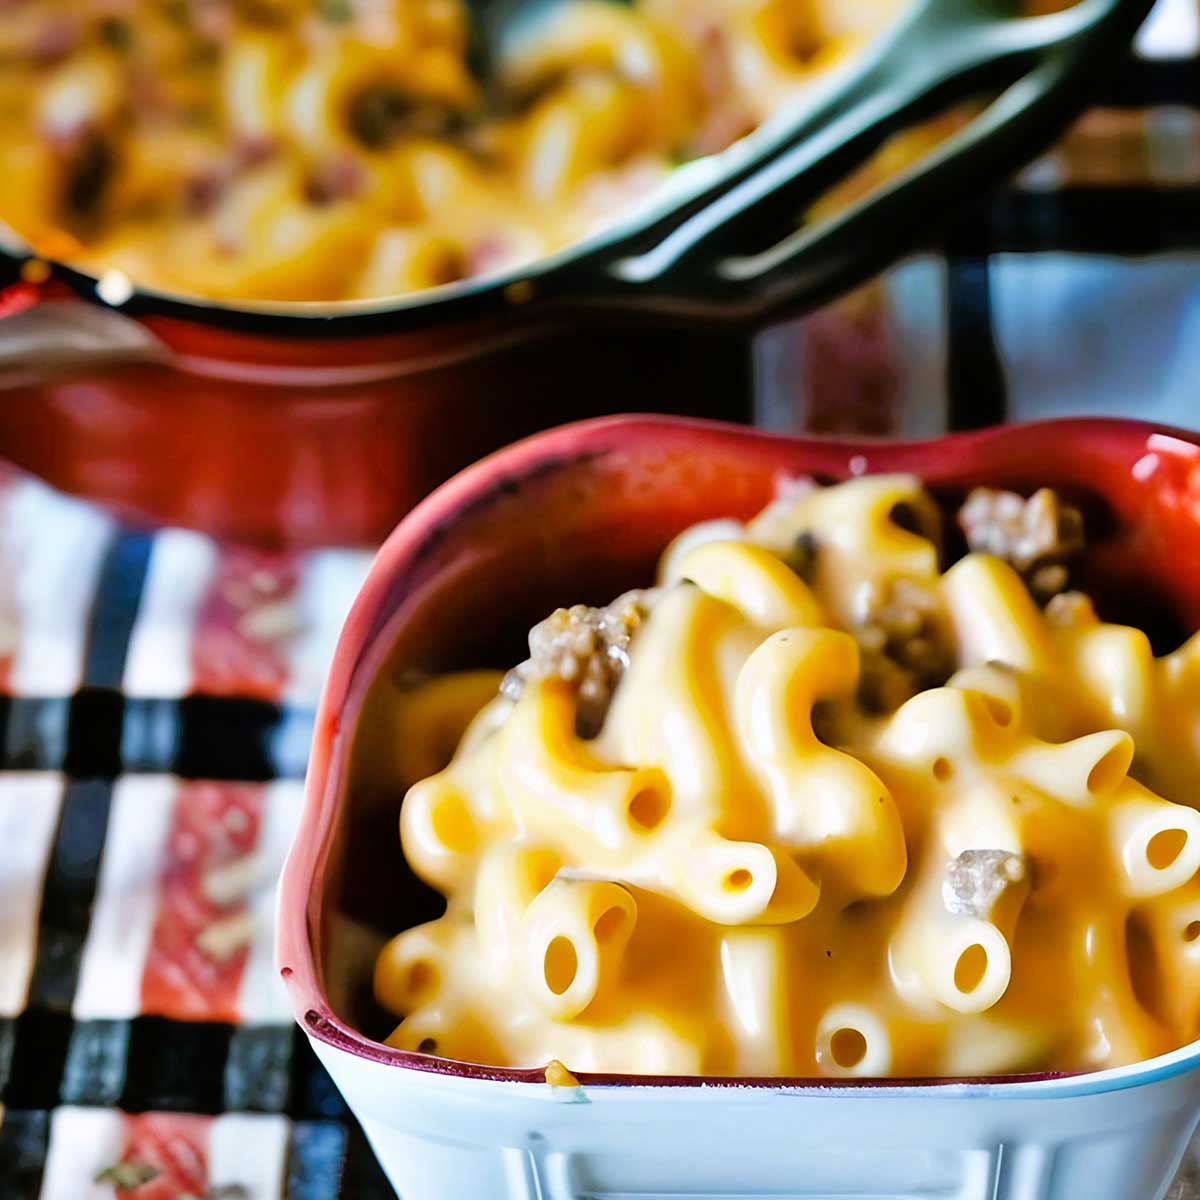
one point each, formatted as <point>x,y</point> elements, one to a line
<point>311,423</point>
<point>249,431</point>
<point>579,514</point>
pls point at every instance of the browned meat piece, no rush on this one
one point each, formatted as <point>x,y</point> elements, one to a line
<point>976,880</point>
<point>1037,536</point>
<point>903,647</point>
<point>587,647</point>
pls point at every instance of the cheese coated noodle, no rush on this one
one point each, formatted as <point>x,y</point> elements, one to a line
<point>835,811</point>
<point>824,801</point>
<point>338,150</point>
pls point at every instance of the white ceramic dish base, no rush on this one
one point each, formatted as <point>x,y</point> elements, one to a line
<point>1116,1135</point>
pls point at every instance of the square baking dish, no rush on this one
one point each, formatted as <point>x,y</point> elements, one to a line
<point>578,514</point>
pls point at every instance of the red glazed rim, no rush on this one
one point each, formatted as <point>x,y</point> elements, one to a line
<point>1112,452</point>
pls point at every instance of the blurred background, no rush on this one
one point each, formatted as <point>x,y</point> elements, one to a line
<point>221,383</point>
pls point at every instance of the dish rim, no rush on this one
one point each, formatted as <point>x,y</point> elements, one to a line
<point>356,660</point>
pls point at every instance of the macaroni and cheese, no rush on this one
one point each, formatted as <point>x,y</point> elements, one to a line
<point>815,805</point>
<point>345,149</point>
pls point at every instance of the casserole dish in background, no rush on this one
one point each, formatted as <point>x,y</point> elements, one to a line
<point>309,422</point>
<point>579,514</point>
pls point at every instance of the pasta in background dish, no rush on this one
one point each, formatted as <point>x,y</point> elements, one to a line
<point>811,806</point>
<point>343,149</point>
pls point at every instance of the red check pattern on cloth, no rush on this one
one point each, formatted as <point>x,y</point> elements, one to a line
<point>175,1156</point>
<point>201,936</point>
<point>182,922</point>
<point>245,623</point>
<point>173,1146</point>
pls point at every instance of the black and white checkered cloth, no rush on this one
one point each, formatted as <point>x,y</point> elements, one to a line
<point>142,825</point>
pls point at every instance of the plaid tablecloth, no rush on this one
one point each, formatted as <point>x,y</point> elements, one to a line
<point>157,688</point>
<point>1074,288</point>
<point>158,699</point>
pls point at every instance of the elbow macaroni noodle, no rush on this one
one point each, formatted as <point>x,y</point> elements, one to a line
<point>341,149</point>
<point>750,871</point>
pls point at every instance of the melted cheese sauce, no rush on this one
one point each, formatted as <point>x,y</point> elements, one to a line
<point>753,871</point>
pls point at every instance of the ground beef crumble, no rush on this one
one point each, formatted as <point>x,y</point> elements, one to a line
<point>1037,536</point>
<point>976,879</point>
<point>902,646</point>
<point>587,647</point>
